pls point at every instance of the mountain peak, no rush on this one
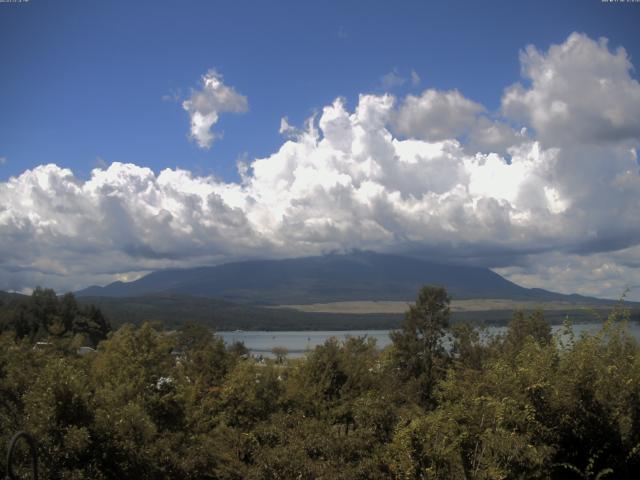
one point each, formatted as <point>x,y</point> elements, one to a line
<point>358,275</point>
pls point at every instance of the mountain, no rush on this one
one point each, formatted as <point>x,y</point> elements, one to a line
<point>321,279</point>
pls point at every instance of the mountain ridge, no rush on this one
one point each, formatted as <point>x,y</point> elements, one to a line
<point>360,275</point>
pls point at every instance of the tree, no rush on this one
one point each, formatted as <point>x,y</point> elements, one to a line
<point>45,315</point>
<point>468,349</point>
<point>45,308</point>
<point>201,358</point>
<point>280,353</point>
<point>91,322</point>
<point>418,350</point>
<point>522,327</point>
<point>250,394</point>
<point>318,381</point>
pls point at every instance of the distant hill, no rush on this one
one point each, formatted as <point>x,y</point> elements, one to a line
<point>329,278</point>
<point>172,310</point>
<point>243,294</point>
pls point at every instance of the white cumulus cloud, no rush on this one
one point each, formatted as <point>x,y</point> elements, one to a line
<point>415,78</point>
<point>392,80</point>
<point>435,175</point>
<point>436,115</point>
<point>576,92</point>
<point>205,106</point>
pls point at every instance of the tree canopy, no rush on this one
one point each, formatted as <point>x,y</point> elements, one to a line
<point>438,403</point>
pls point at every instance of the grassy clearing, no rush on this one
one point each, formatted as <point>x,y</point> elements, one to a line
<point>474,305</point>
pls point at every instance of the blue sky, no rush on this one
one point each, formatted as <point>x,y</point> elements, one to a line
<point>501,134</point>
<point>85,79</point>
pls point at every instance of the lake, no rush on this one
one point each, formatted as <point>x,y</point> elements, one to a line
<point>299,342</point>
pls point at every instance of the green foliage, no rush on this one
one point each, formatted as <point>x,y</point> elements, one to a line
<point>44,315</point>
<point>150,404</point>
<point>522,328</point>
<point>418,351</point>
<point>250,394</point>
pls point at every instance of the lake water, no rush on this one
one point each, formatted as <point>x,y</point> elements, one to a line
<point>299,342</point>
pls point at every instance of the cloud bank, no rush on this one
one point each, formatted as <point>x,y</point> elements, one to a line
<point>546,191</point>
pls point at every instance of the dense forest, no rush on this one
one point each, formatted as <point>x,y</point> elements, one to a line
<point>149,404</point>
<point>221,315</point>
